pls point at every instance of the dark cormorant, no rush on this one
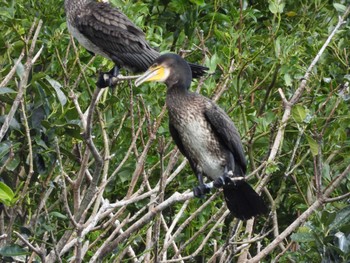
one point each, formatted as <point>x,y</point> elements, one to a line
<point>206,136</point>
<point>105,30</point>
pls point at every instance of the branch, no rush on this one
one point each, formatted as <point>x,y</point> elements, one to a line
<point>176,197</point>
<point>92,190</point>
<point>23,81</point>
<point>338,198</point>
<point>280,133</point>
<point>298,93</point>
<point>187,221</point>
<point>90,193</point>
<point>31,247</point>
<point>302,218</point>
<point>222,213</point>
<point>13,70</point>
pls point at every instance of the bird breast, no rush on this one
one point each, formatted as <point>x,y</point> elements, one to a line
<point>199,140</point>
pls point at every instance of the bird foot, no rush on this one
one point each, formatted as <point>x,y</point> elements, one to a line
<point>201,190</point>
<point>106,78</point>
<point>223,180</point>
<point>220,181</point>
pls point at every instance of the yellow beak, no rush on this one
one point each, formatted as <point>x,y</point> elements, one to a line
<point>157,73</point>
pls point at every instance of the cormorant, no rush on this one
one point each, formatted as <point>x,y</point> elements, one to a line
<point>206,136</point>
<point>103,29</point>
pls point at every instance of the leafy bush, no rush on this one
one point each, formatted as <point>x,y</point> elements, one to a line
<point>127,191</point>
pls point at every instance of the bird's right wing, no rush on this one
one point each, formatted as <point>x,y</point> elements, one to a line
<point>114,33</point>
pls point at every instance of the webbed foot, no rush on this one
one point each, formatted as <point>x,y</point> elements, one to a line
<point>222,180</point>
<point>106,78</point>
<point>201,190</point>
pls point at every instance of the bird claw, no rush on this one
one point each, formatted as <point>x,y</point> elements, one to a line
<point>201,190</point>
<point>220,181</point>
<point>106,78</point>
<point>223,180</point>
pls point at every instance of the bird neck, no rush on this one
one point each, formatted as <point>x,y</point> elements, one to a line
<point>177,90</point>
<point>176,97</point>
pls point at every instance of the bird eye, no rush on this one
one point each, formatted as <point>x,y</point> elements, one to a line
<point>155,65</point>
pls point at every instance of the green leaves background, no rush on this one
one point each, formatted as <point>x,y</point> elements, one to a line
<point>256,47</point>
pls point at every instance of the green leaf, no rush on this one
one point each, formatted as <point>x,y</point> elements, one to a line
<point>303,237</point>
<point>271,168</point>
<point>40,142</point>
<point>326,171</point>
<point>287,80</point>
<point>276,7</point>
<point>197,2</point>
<point>13,125</point>
<point>4,149</point>
<point>124,175</point>
<point>12,251</point>
<point>6,194</point>
<point>4,90</point>
<point>342,218</point>
<point>58,215</point>
<point>327,217</point>
<point>299,113</point>
<point>57,86</point>
<point>273,8</point>
<point>212,62</point>
<point>313,145</point>
<point>7,12</point>
<point>20,69</point>
<point>13,164</point>
<point>291,13</point>
<point>339,7</point>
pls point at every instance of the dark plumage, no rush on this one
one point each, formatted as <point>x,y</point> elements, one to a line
<point>105,30</point>
<point>206,136</point>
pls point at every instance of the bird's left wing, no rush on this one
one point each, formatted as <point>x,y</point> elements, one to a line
<point>227,133</point>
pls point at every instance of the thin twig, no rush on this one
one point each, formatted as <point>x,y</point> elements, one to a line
<point>13,70</point>
<point>23,82</point>
<point>302,218</point>
<point>31,247</point>
<point>176,197</point>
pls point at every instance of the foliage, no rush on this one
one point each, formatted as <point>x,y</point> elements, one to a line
<point>252,50</point>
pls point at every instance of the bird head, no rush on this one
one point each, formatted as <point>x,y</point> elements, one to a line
<point>170,69</point>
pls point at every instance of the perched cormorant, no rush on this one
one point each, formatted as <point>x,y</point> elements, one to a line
<point>103,29</point>
<point>206,136</point>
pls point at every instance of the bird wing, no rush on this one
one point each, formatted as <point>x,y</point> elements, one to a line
<point>113,32</point>
<point>177,139</point>
<point>226,131</point>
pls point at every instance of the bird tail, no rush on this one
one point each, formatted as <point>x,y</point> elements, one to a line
<point>242,201</point>
<point>197,70</point>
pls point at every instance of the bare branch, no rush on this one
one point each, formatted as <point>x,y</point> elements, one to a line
<point>176,197</point>
<point>31,247</point>
<point>12,71</point>
<point>23,82</point>
<point>338,198</point>
<point>302,218</point>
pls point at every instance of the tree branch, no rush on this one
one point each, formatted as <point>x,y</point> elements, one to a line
<point>23,79</point>
<point>176,197</point>
<point>302,218</point>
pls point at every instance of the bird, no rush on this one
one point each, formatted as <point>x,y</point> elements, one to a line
<point>206,136</point>
<point>104,30</point>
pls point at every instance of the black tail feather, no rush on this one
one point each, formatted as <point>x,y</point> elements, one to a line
<point>242,201</point>
<point>197,70</point>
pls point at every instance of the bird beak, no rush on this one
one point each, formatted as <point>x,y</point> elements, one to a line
<point>154,73</point>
